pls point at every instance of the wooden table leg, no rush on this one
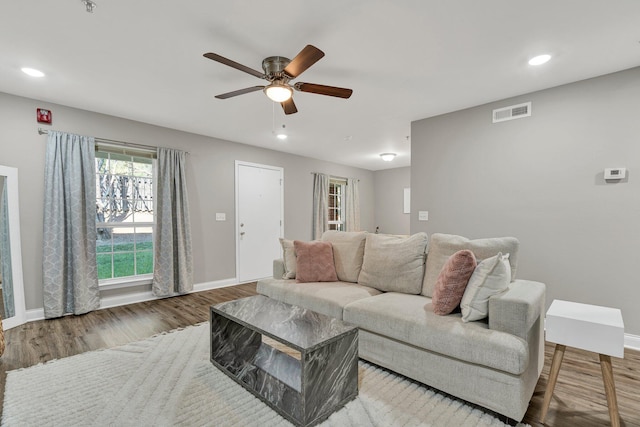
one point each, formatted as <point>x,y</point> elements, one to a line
<point>610,389</point>
<point>558,354</point>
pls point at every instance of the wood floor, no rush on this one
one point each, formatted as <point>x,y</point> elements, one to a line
<point>579,398</point>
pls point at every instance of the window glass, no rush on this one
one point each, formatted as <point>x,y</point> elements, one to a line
<point>124,209</point>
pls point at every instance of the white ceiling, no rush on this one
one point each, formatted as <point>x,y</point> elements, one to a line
<point>404,60</point>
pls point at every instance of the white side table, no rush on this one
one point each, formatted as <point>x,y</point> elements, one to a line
<point>587,327</point>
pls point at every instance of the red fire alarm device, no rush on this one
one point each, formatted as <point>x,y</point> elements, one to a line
<point>44,116</point>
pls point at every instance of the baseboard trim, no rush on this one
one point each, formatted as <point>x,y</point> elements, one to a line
<point>119,300</point>
<point>632,342</point>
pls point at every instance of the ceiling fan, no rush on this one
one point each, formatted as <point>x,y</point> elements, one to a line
<point>279,71</point>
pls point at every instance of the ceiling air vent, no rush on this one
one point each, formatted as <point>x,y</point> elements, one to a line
<point>512,112</point>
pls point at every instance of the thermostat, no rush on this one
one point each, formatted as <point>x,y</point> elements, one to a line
<point>615,173</point>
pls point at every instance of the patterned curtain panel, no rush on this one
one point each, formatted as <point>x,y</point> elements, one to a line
<point>352,205</point>
<point>320,204</point>
<point>69,268</point>
<point>5,255</point>
<point>173,263</point>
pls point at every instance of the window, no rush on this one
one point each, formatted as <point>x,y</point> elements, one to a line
<point>124,206</point>
<point>336,204</point>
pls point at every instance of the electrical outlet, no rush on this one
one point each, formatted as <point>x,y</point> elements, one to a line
<point>221,216</point>
<point>423,215</point>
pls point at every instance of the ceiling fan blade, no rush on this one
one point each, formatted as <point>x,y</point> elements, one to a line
<point>239,92</point>
<point>233,64</point>
<point>289,106</point>
<point>303,60</point>
<point>338,92</point>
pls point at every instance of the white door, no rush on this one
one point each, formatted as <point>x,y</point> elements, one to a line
<point>259,219</point>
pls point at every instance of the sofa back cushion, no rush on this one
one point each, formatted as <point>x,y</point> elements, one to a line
<point>394,263</point>
<point>442,246</point>
<point>348,252</point>
<point>314,262</point>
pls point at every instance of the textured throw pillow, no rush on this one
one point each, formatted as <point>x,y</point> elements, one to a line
<point>442,246</point>
<point>348,252</point>
<point>314,262</point>
<point>394,263</point>
<point>289,258</point>
<point>491,277</point>
<point>452,282</point>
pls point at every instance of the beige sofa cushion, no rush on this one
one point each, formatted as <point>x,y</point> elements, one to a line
<point>348,252</point>
<point>442,246</point>
<point>394,263</point>
<point>404,318</point>
<point>328,298</point>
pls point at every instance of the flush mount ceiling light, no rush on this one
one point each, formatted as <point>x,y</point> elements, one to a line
<point>90,5</point>
<point>540,59</point>
<point>32,72</point>
<point>278,91</point>
<point>387,157</point>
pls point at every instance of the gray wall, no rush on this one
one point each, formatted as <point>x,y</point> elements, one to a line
<point>389,186</point>
<point>541,179</point>
<point>210,174</point>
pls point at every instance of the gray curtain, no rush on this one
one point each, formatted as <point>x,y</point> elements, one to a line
<point>173,262</point>
<point>5,254</point>
<point>320,204</point>
<point>70,278</point>
<point>352,205</point>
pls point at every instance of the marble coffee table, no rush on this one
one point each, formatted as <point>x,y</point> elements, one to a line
<point>305,385</point>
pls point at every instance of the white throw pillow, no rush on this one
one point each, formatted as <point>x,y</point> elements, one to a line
<point>289,258</point>
<point>491,277</point>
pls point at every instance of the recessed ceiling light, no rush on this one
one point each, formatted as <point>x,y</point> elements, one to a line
<point>387,157</point>
<point>32,72</point>
<point>539,60</point>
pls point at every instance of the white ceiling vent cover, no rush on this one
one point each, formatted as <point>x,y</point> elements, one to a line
<point>512,112</point>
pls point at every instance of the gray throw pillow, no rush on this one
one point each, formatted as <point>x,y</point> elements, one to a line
<point>442,246</point>
<point>394,263</point>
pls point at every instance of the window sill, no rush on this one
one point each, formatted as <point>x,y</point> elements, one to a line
<point>125,282</point>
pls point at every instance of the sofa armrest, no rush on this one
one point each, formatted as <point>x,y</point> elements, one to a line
<point>278,268</point>
<point>518,309</point>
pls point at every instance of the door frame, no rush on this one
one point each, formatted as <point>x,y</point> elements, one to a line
<point>238,164</point>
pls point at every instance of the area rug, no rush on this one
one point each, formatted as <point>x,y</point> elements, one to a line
<point>168,380</point>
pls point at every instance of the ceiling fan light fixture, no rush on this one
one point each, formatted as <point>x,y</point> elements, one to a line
<point>278,92</point>
<point>387,157</point>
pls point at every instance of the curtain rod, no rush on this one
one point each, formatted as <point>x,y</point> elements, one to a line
<point>114,142</point>
<point>332,176</point>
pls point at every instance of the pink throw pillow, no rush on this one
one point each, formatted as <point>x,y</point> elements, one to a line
<point>452,282</point>
<point>314,262</point>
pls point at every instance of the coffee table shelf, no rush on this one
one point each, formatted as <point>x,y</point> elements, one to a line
<point>305,390</point>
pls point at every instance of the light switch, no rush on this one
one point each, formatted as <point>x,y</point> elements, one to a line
<point>221,216</point>
<point>423,215</point>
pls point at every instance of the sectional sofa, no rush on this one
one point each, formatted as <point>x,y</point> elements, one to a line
<point>386,286</point>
